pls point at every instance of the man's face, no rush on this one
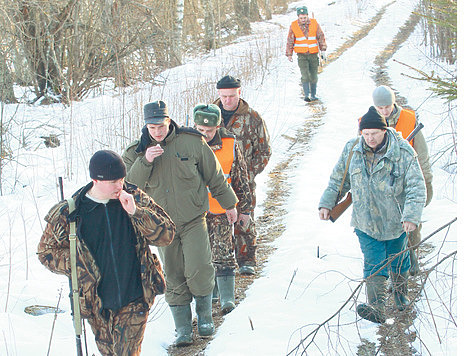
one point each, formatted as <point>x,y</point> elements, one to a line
<point>385,110</point>
<point>303,18</point>
<point>208,131</point>
<point>229,98</point>
<point>108,189</point>
<point>159,131</point>
<point>373,137</point>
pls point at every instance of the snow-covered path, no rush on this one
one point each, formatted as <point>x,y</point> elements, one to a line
<point>320,285</point>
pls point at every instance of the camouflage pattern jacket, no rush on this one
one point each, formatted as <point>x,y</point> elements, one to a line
<point>387,188</point>
<point>251,132</point>
<point>238,174</point>
<point>152,226</point>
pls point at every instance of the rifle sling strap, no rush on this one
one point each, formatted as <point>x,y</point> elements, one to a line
<point>346,171</point>
<point>74,273</point>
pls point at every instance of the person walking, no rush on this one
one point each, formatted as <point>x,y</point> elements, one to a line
<point>175,165</point>
<point>404,121</point>
<point>118,276</point>
<point>252,136</point>
<point>306,38</point>
<point>388,191</point>
<point>223,143</point>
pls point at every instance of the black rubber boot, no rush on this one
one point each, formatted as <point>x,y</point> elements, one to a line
<point>182,317</point>
<point>204,312</point>
<point>313,91</point>
<point>400,290</point>
<point>306,91</point>
<point>226,293</point>
<point>376,295</point>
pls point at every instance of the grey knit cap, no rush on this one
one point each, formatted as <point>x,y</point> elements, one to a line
<point>383,96</point>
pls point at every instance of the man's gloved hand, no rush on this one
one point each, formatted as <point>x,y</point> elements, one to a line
<point>323,55</point>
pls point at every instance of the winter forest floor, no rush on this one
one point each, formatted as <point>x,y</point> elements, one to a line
<point>394,338</point>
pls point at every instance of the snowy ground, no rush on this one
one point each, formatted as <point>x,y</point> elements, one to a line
<point>320,285</point>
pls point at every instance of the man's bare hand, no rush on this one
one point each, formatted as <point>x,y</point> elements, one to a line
<point>128,202</point>
<point>231,215</point>
<point>324,213</point>
<point>153,152</point>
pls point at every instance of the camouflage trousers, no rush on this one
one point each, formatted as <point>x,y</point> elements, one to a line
<point>245,241</point>
<point>120,333</point>
<point>222,245</point>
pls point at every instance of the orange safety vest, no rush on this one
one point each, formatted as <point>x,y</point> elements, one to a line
<point>406,123</point>
<point>225,156</point>
<point>303,44</point>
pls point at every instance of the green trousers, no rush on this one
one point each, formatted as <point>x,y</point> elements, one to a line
<point>308,64</point>
<point>187,263</point>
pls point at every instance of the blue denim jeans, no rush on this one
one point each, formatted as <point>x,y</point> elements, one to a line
<point>378,253</point>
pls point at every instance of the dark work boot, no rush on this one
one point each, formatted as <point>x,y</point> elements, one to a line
<point>182,317</point>
<point>204,312</point>
<point>226,293</point>
<point>306,91</point>
<point>414,269</point>
<point>376,295</point>
<point>313,91</point>
<point>215,292</point>
<point>400,290</point>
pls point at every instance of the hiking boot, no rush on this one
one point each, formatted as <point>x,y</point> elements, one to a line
<point>226,293</point>
<point>182,317</point>
<point>204,313</point>
<point>400,290</point>
<point>376,295</point>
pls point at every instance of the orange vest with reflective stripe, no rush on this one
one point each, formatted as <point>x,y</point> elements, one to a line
<point>225,156</point>
<point>303,44</point>
<point>406,123</point>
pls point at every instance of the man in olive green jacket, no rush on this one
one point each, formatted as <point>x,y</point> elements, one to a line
<point>175,166</point>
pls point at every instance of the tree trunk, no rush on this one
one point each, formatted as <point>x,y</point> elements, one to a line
<point>177,35</point>
<point>7,94</point>
<point>210,38</point>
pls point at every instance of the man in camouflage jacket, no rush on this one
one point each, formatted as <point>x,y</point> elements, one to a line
<point>224,145</point>
<point>116,223</point>
<point>384,100</point>
<point>388,193</point>
<point>251,132</point>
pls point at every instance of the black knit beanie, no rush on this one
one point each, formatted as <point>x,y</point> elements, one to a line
<point>106,165</point>
<point>373,120</point>
<point>227,82</point>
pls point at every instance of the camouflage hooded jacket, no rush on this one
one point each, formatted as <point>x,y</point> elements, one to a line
<point>251,132</point>
<point>391,192</point>
<point>152,227</point>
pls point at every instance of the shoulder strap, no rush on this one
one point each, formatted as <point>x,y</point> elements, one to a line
<point>74,272</point>
<point>346,170</point>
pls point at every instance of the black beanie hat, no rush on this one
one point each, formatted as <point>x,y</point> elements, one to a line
<point>227,82</point>
<point>106,165</point>
<point>373,120</point>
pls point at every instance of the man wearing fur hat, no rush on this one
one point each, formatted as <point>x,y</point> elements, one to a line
<point>118,276</point>
<point>404,121</point>
<point>306,38</point>
<point>223,143</point>
<point>251,132</point>
<point>388,194</point>
<point>176,167</point>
